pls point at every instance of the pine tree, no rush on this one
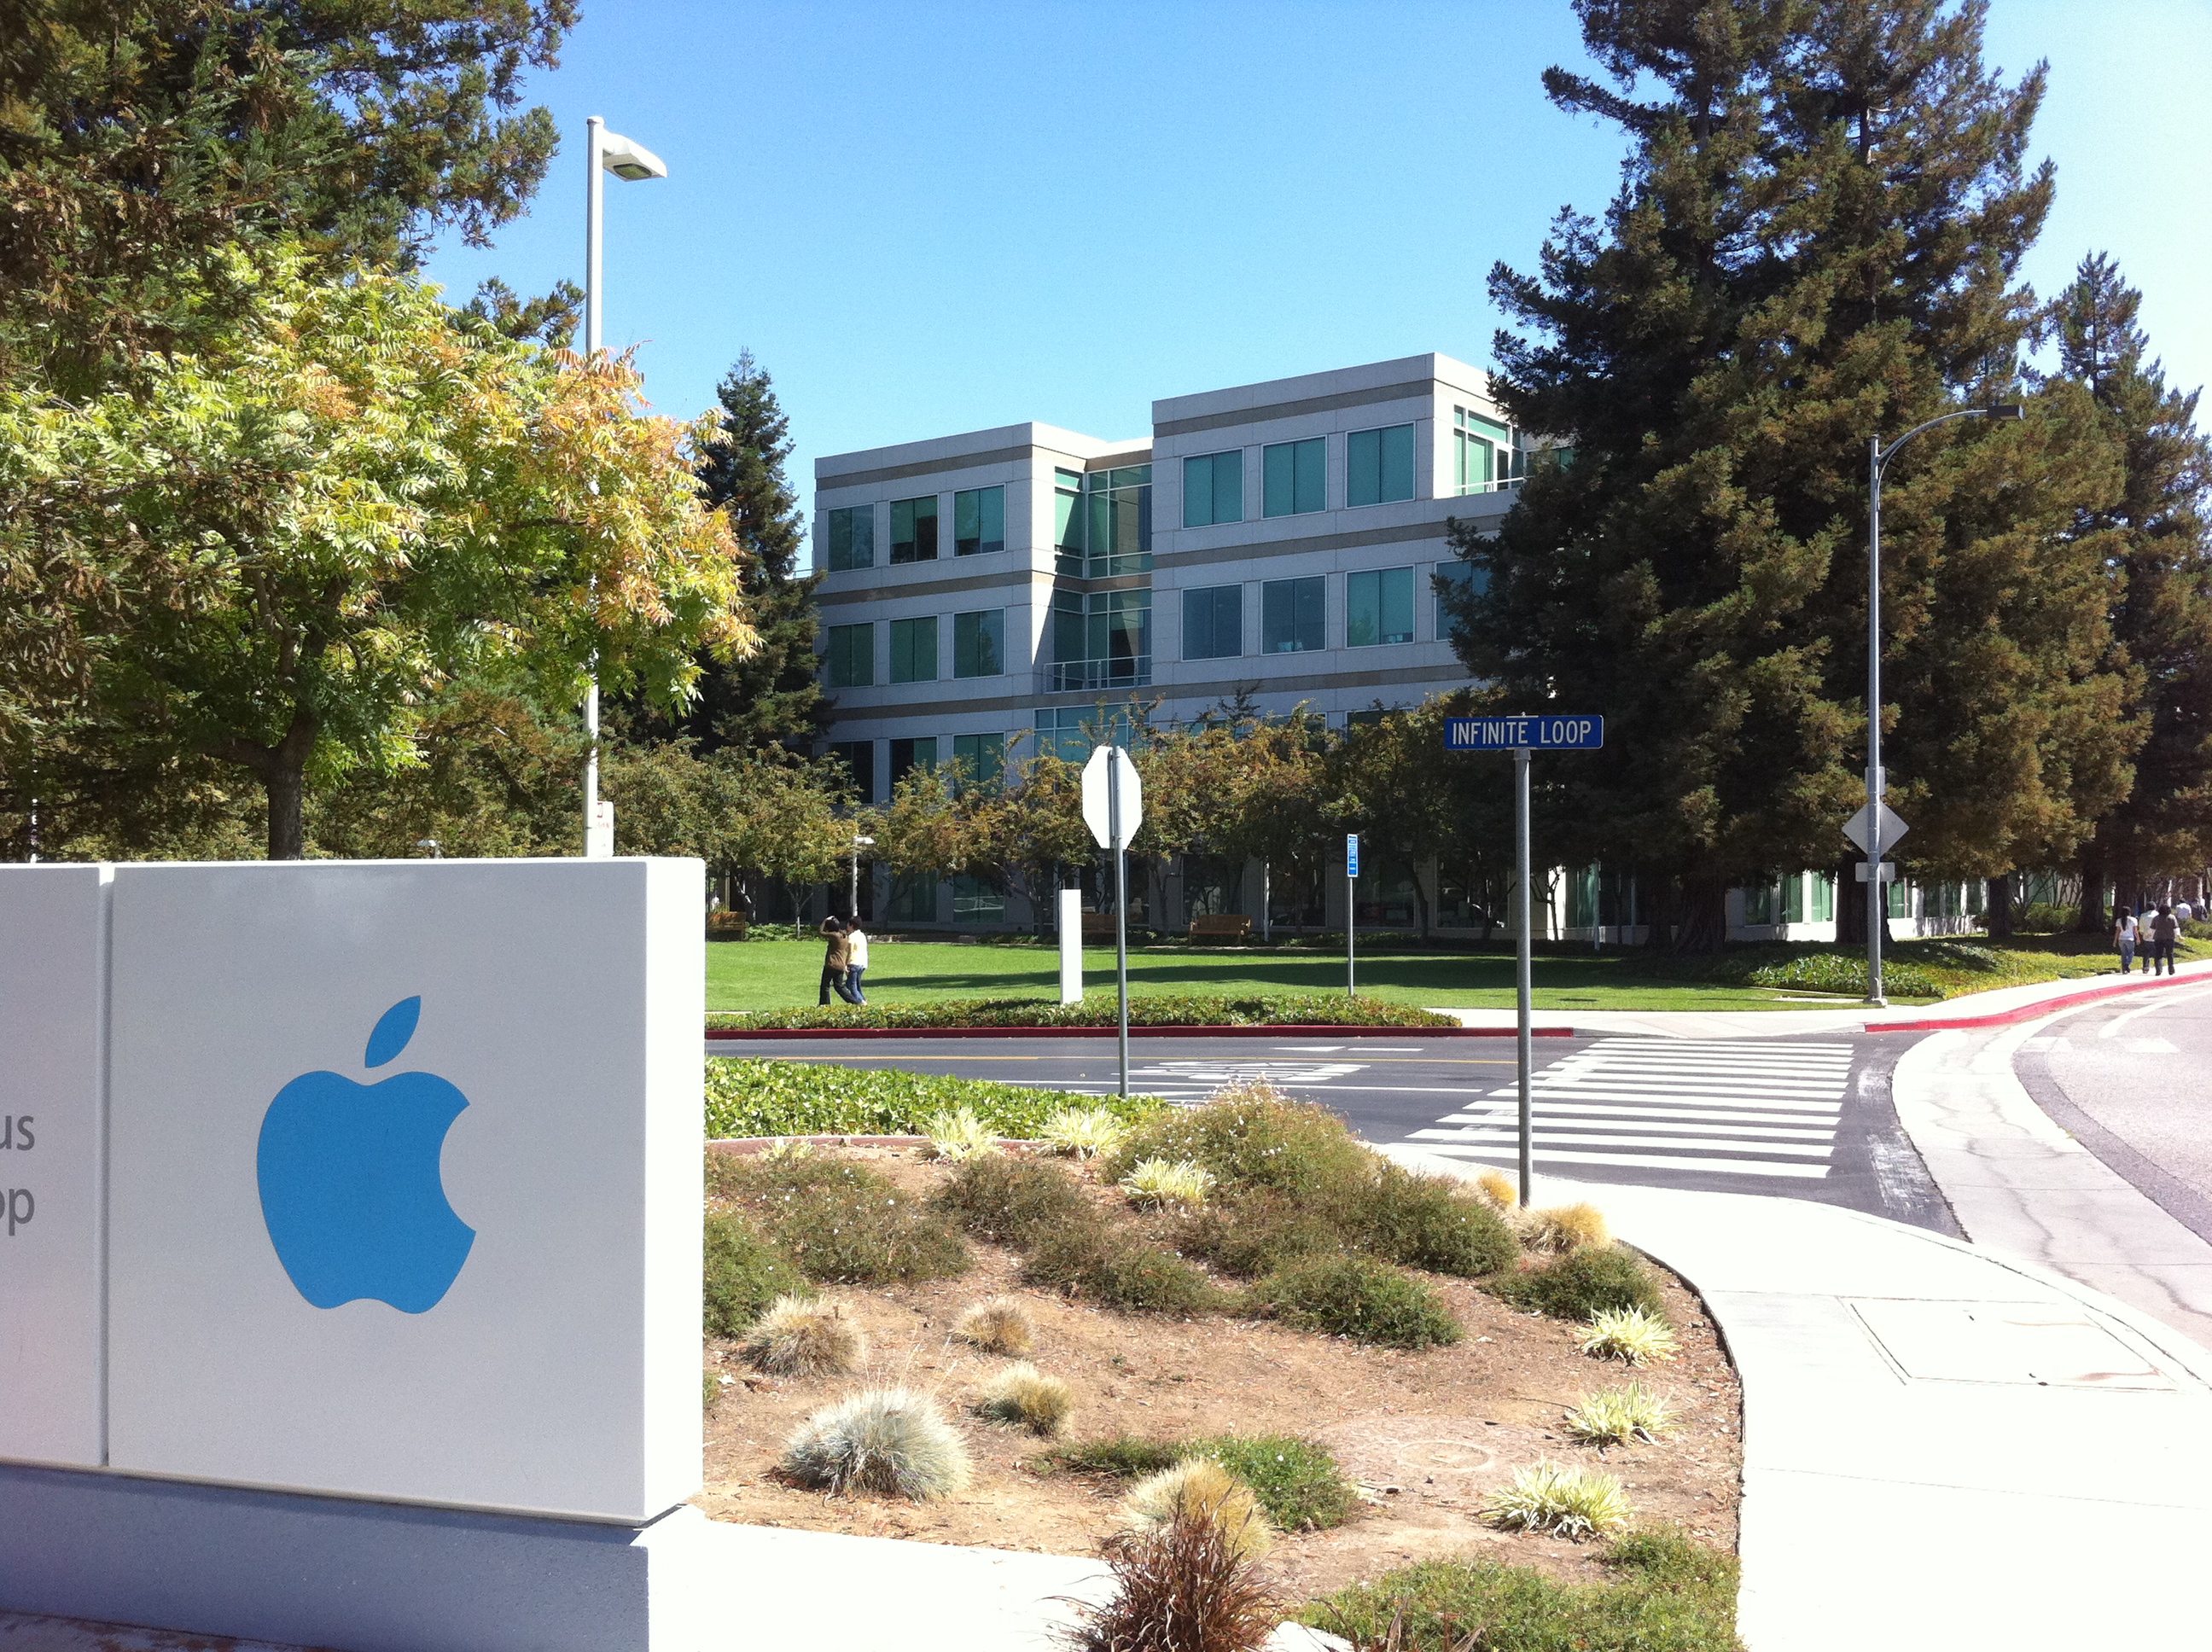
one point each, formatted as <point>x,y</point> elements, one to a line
<point>1815,240</point>
<point>773,697</point>
<point>2159,540</point>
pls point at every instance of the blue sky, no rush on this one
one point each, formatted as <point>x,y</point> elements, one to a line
<point>925,219</point>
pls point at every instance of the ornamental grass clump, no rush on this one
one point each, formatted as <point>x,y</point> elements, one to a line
<point>1569,1502</point>
<point>1118,1269</point>
<point>1629,1335</point>
<point>1261,1234</point>
<point>1082,1132</point>
<point>889,1441</point>
<point>958,1133</point>
<point>744,1273</point>
<point>1559,1229</point>
<point>1201,1488</point>
<point>1180,1586</point>
<point>1022,1394</point>
<point>1360,1297</point>
<point>1426,1222</point>
<point>1618,1416</point>
<point>1009,1200</point>
<point>1582,1283</point>
<point>1000,1325</point>
<point>843,1223</point>
<point>806,1337</point>
<point>1252,1137</point>
<point>1159,1184</point>
<point>1497,1188</point>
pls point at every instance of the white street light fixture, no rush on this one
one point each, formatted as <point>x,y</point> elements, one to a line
<point>631,162</point>
<point>1877,812</point>
<point>861,840</point>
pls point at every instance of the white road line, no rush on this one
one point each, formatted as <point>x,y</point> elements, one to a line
<point>1642,1162</point>
<point>1578,1139</point>
<point>1749,1117</point>
<point>1547,1122</point>
<point>1771,1104</point>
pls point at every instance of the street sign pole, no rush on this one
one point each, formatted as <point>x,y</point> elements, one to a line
<point>1525,966</point>
<point>1121,910</point>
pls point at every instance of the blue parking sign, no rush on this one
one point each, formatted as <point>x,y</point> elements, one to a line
<point>1352,854</point>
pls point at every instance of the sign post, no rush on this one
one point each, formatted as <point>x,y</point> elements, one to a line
<point>1520,736</point>
<point>1351,908</point>
<point>1876,828</point>
<point>1114,807</point>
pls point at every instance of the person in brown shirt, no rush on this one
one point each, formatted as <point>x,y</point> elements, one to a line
<point>834,959</point>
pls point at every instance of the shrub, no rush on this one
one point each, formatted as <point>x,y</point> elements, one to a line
<point>1127,1456</point>
<point>1583,1283</point>
<point>1618,1416</point>
<point>1666,1594</point>
<point>1499,1189</point>
<point>1253,1139</point>
<point>1563,1228</point>
<point>1011,1201</point>
<point>1000,1325</point>
<point>1202,1489</point>
<point>1298,1483</point>
<point>1261,1234</point>
<point>887,1441</point>
<point>1631,1336</point>
<point>813,1098</point>
<point>1022,1394</point>
<point>1100,1010</point>
<point>1359,1298</point>
<point>1161,1184</point>
<point>710,1390</point>
<point>1569,1502</point>
<point>1834,972</point>
<point>1428,1222</point>
<point>958,1133</point>
<point>1182,1586</point>
<point>1120,1271</point>
<point>1082,1132</point>
<point>806,1336</point>
<point>843,1224</point>
<point>743,1274</point>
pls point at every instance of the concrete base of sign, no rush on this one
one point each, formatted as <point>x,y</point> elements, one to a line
<point>333,1572</point>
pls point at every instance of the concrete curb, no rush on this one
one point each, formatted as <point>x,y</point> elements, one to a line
<point>747,1034</point>
<point>2038,1008</point>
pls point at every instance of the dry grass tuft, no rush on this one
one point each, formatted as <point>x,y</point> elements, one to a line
<point>807,1337</point>
<point>1560,1229</point>
<point>1499,1189</point>
<point>890,1442</point>
<point>1159,1184</point>
<point>1569,1502</point>
<point>1199,1489</point>
<point>1022,1394</point>
<point>1630,1334</point>
<point>1181,1586</point>
<point>1000,1325</point>
<point>1084,1132</point>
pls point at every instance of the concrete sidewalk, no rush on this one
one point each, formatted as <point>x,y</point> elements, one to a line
<point>1943,1449</point>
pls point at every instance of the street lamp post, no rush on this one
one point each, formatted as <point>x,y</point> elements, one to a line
<point>606,151</point>
<point>853,901</point>
<point>1878,459</point>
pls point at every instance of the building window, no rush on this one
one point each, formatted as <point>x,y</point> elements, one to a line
<point>1067,520</point>
<point>1213,489</point>
<point>914,529</point>
<point>1760,904</point>
<point>1296,476</point>
<point>859,757</point>
<point>1213,621</point>
<point>1103,640</point>
<point>913,898</point>
<point>1899,897</point>
<point>975,902</point>
<point>1119,505</point>
<point>979,521</point>
<point>1793,898</point>
<point>1378,465</point>
<point>1068,732</point>
<point>1378,607</point>
<point>1456,581</point>
<point>907,756</point>
<point>1291,615</point>
<point>1824,898</point>
<point>853,537</point>
<point>1483,455</point>
<point>978,640</point>
<point>914,650</point>
<point>981,758</point>
<point>849,660</point>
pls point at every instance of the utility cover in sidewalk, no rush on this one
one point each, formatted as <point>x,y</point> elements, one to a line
<point>2035,1342</point>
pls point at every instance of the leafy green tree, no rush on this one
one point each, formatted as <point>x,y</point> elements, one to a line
<point>2156,537</point>
<point>1816,238</point>
<point>278,553</point>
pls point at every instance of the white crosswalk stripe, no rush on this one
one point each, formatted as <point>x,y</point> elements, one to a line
<point>1185,1081</point>
<point>1739,1107</point>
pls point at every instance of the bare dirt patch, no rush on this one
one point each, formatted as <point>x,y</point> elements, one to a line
<point>1426,1435</point>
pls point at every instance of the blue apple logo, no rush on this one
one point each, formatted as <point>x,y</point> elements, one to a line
<point>349,1184</point>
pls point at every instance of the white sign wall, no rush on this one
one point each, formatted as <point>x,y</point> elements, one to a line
<point>404,1180</point>
<point>52,965</point>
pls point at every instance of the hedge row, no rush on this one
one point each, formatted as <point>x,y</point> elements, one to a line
<point>1272,1010</point>
<point>805,1098</point>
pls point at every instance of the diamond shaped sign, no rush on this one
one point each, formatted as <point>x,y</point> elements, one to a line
<point>1891,829</point>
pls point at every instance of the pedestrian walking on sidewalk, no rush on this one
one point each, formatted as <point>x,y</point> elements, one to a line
<point>835,957</point>
<point>2165,930</point>
<point>856,961</point>
<point>2124,939</point>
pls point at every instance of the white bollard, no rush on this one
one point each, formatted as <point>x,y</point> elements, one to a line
<point>1071,946</point>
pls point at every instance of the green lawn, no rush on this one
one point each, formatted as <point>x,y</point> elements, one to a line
<point>761,974</point>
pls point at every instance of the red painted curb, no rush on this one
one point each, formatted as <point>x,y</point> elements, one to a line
<point>2037,1011</point>
<point>736,1034</point>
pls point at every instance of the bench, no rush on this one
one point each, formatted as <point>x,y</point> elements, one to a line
<point>1225,926</point>
<point>1097,926</point>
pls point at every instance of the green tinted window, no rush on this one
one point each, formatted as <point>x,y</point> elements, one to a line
<point>1213,622</point>
<point>914,650</point>
<point>982,757</point>
<point>1119,539</point>
<point>1068,519</point>
<point>849,659</point>
<point>1378,607</point>
<point>1378,465</point>
<point>907,756</point>
<point>853,537</point>
<point>1291,615</point>
<point>979,521</point>
<point>1213,489</point>
<point>1297,475</point>
<point>978,642</point>
<point>914,529</point>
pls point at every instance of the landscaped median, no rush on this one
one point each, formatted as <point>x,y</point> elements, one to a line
<point>1192,1011</point>
<point>759,1099</point>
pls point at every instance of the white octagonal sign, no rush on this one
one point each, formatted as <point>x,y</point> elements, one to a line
<point>404,1180</point>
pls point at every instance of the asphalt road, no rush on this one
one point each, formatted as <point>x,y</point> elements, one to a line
<point>2132,1080</point>
<point>1804,1118</point>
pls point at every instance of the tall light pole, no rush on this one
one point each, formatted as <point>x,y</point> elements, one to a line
<point>606,152</point>
<point>861,840</point>
<point>1878,459</point>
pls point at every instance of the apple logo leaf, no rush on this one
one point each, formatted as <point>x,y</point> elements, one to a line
<point>394,1029</point>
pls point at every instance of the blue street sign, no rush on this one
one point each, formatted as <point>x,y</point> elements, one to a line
<point>1511,733</point>
<point>1352,854</point>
